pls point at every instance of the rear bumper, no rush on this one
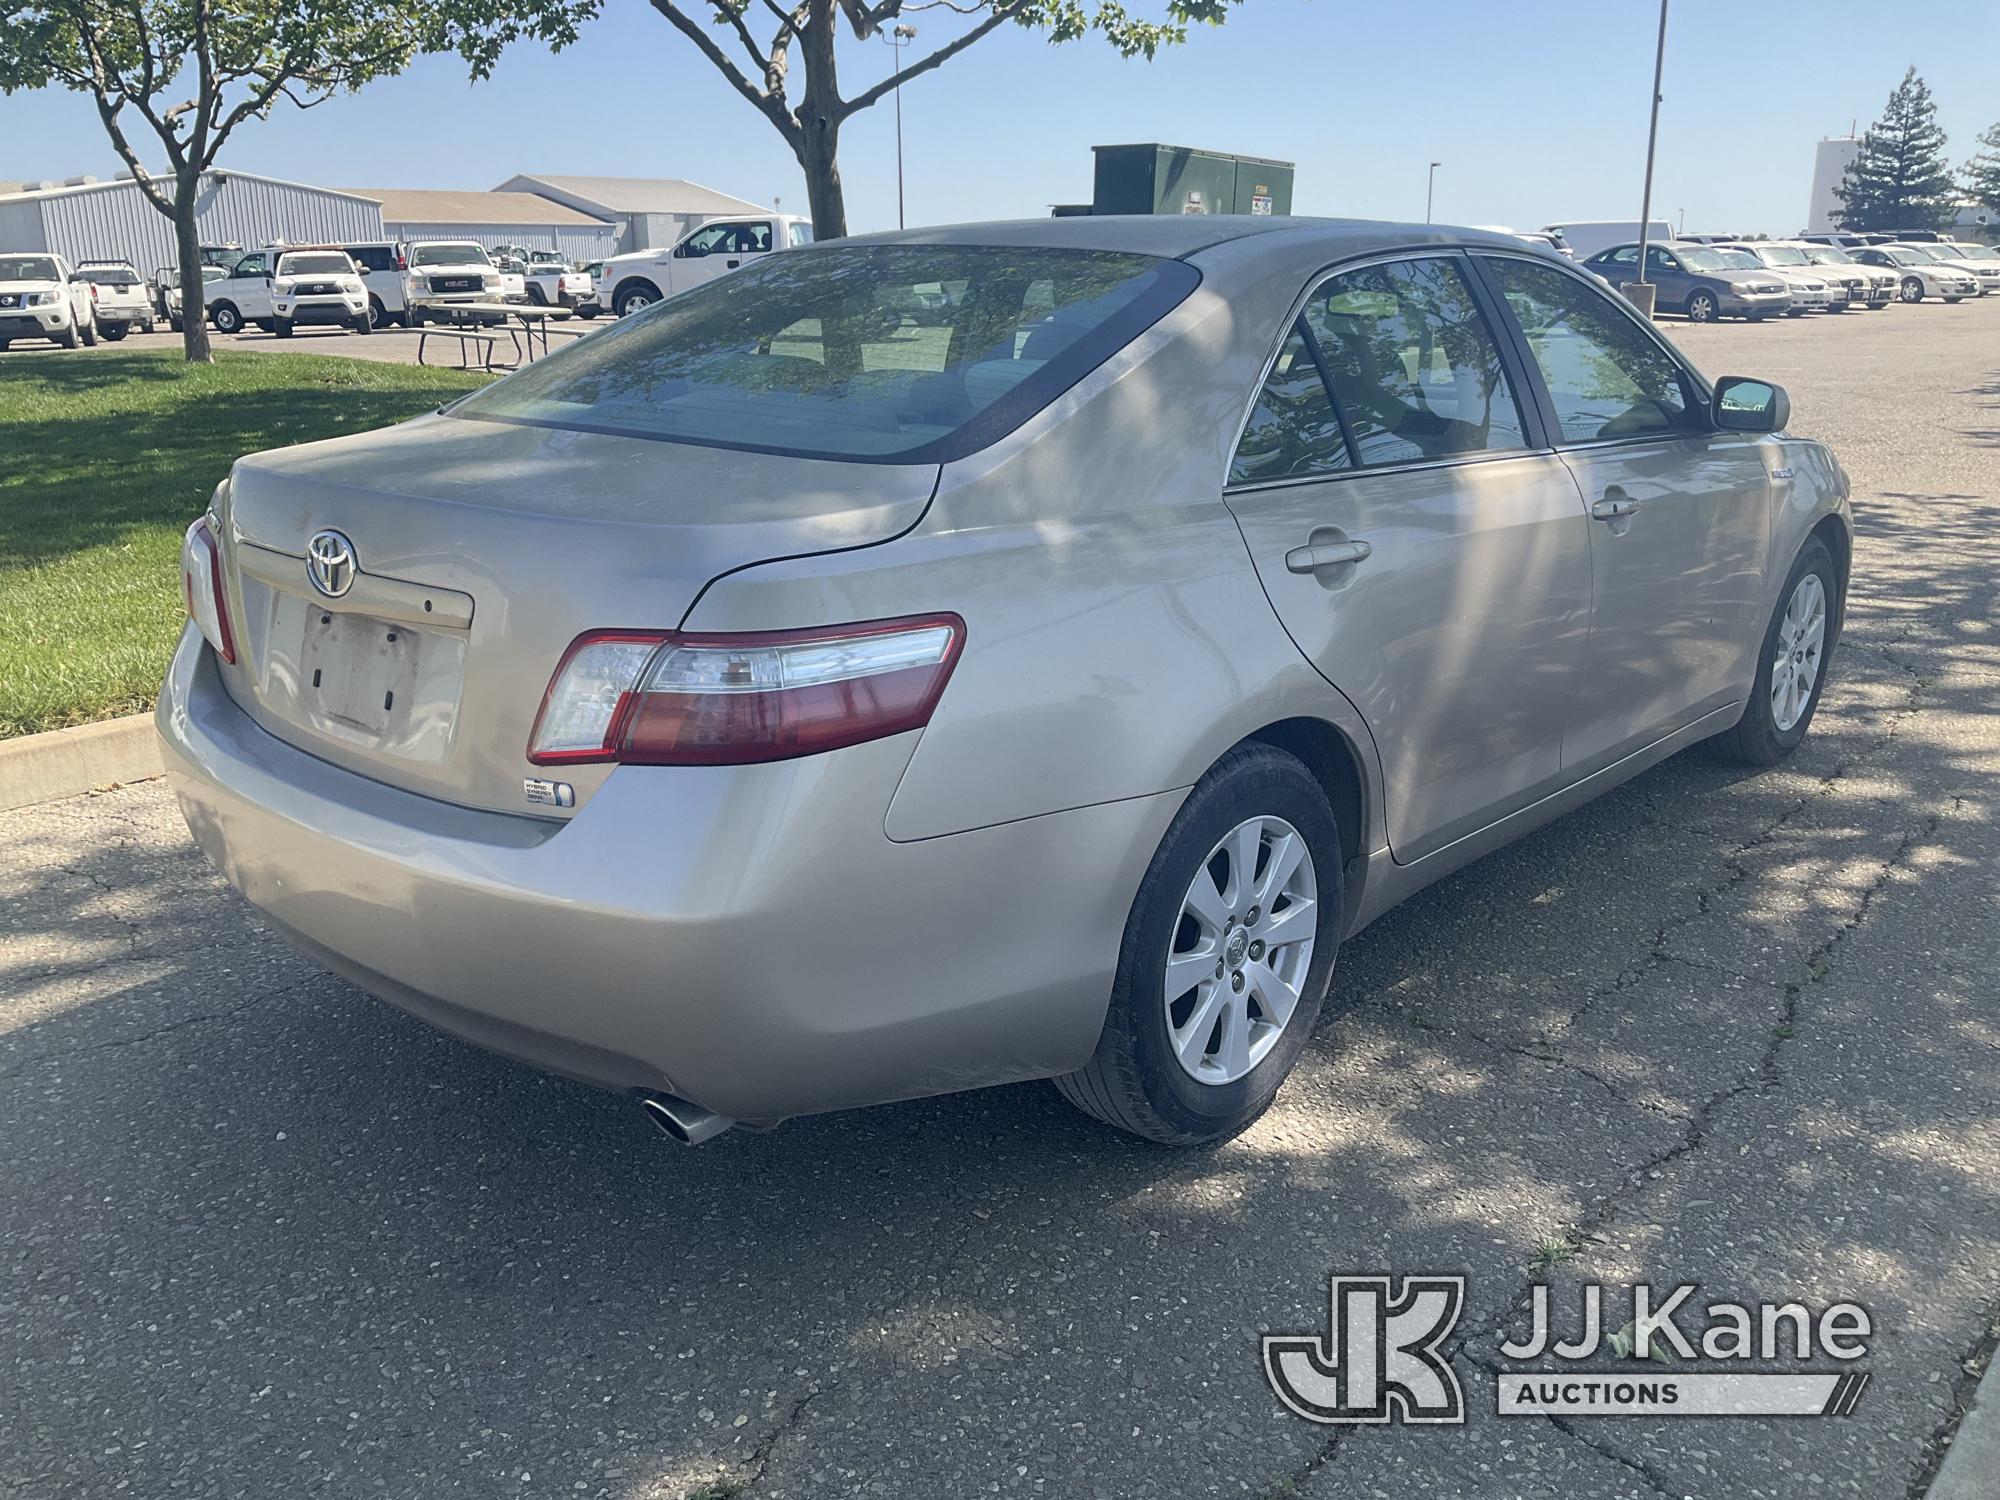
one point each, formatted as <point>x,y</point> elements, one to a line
<point>745,937</point>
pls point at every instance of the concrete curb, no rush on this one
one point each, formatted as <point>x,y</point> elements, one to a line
<point>63,762</point>
<point>1971,1467</point>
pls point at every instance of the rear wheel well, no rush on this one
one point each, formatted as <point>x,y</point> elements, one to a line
<point>1331,758</point>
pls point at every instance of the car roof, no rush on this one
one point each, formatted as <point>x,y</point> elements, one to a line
<point>1177,236</point>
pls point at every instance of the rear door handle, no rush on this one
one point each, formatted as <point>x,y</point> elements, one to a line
<point>1326,555</point>
<point>1610,508</point>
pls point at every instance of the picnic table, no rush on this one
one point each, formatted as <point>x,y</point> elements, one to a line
<point>526,325</point>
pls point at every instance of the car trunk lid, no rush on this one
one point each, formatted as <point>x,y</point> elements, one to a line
<point>474,553</point>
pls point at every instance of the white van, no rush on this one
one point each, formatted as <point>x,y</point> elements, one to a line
<point>708,250</point>
<point>1583,238</point>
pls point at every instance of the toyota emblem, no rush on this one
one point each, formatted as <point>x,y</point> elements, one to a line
<point>330,563</point>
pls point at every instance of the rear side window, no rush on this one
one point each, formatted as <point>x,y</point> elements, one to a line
<point>1606,377</point>
<point>889,353</point>
<point>373,257</point>
<point>1293,431</point>
<point>1414,369</point>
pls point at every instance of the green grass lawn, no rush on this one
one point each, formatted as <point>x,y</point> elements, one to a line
<point>104,460</point>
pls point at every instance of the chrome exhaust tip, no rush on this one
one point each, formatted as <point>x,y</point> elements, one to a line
<point>687,1123</point>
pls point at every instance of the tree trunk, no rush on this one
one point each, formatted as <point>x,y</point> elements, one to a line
<point>818,153</point>
<point>187,251</point>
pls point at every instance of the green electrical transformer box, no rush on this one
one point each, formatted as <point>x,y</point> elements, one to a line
<point>1157,179</point>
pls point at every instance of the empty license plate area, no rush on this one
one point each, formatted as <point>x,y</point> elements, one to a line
<point>355,670</point>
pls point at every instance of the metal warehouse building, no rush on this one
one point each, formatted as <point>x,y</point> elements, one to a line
<point>494,219</point>
<point>649,211</point>
<point>83,219</point>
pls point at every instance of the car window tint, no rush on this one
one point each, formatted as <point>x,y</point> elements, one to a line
<point>1293,430</point>
<point>852,351</point>
<point>1606,378</point>
<point>1414,370</point>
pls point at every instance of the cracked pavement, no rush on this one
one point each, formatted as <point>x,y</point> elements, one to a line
<point>262,1235</point>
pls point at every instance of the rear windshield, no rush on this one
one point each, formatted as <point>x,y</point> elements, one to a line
<point>110,275</point>
<point>886,353</point>
<point>316,265</point>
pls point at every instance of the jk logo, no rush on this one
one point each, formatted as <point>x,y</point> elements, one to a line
<point>1378,1360</point>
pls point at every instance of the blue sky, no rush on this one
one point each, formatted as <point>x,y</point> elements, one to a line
<point>1537,111</point>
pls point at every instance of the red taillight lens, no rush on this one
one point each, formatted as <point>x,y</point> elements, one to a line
<point>201,582</point>
<point>651,698</point>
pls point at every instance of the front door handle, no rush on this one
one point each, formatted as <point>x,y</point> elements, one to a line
<point>1611,507</point>
<point>1312,558</point>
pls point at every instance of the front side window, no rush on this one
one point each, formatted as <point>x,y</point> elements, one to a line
<point>1624,255</point>
<point>1293,431</point>
<point>250,265</point>
<point>799,234</point>
<point>836,352</point>
<point>1659,260</point>
<point>1414,370</point>
<point>1606,377</point>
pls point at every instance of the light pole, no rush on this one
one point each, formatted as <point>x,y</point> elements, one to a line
<point>1430,189</point>
<point>900,38</point>
<point>1641,288</point>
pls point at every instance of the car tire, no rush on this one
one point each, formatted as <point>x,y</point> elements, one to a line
<point>1795,312</point>
<point>377,313</point>
<point>174,324</point>
<point>1953,301</point>
<point>67,338</point>
<point>1912,289</point>
<point>587,311</point>
<point>281,328</point>
<point>635,297</point>
<point>1136,1079</point>
<point>4,344</point>
<point>226,318</point>
<point>414,318</point>
<point>115,331</point>
<point>364,322</point>
<point>89,332</point>
<point>1772,727</point>
<point>1702,307</point>
<point>536,295</point>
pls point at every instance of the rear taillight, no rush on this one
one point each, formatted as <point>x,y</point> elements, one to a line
<point>201,582</point>
<point>653,698</point>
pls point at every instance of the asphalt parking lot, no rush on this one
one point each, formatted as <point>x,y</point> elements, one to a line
<point>261,1235</point>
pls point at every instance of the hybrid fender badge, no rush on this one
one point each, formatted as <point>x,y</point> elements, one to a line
<point>330,563</point>
<point>548,793</point>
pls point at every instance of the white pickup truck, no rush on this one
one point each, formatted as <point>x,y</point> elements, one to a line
<point>41,298</point>
<point>642,277</point>
<point>439,271</point>
<point>123,301</point>
<point>551,283</point>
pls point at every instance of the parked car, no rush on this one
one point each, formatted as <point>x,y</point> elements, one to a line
<point>167,291</point>
<point>382,266</point>
<point>592,302</point>
<point>282,286</point>
<point>42,298</point>
<point>642,277</point>
<point>1919,274</point>
<point>1867,286</point>
<point>513,277</point>
<point>1986,273</point>
<point>758,711</point>
<point>120,300</point>
<point>1584,238</point>
<point>551,283</point>
<point>1699,283</point>
<point>444,271</point>
<point>1811,290</point>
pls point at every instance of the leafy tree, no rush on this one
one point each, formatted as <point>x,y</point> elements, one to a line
<point>1982,173</point>
<point>192,71</point>
<point>807,30</point>
<point>1898,179</point>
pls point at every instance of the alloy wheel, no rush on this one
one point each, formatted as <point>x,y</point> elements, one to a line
<point>1241,950</point>
<point>1701,308</point>
<point>1795,667</point>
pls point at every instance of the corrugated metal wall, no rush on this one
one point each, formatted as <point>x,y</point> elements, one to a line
<point>115,220</point>
<point>585,242</point>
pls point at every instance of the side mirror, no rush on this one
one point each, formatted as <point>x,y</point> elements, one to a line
<point>1743,404</point>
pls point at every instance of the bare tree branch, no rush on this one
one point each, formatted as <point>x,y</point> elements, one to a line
<point>1000,16</point>
<point>688,27</point>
